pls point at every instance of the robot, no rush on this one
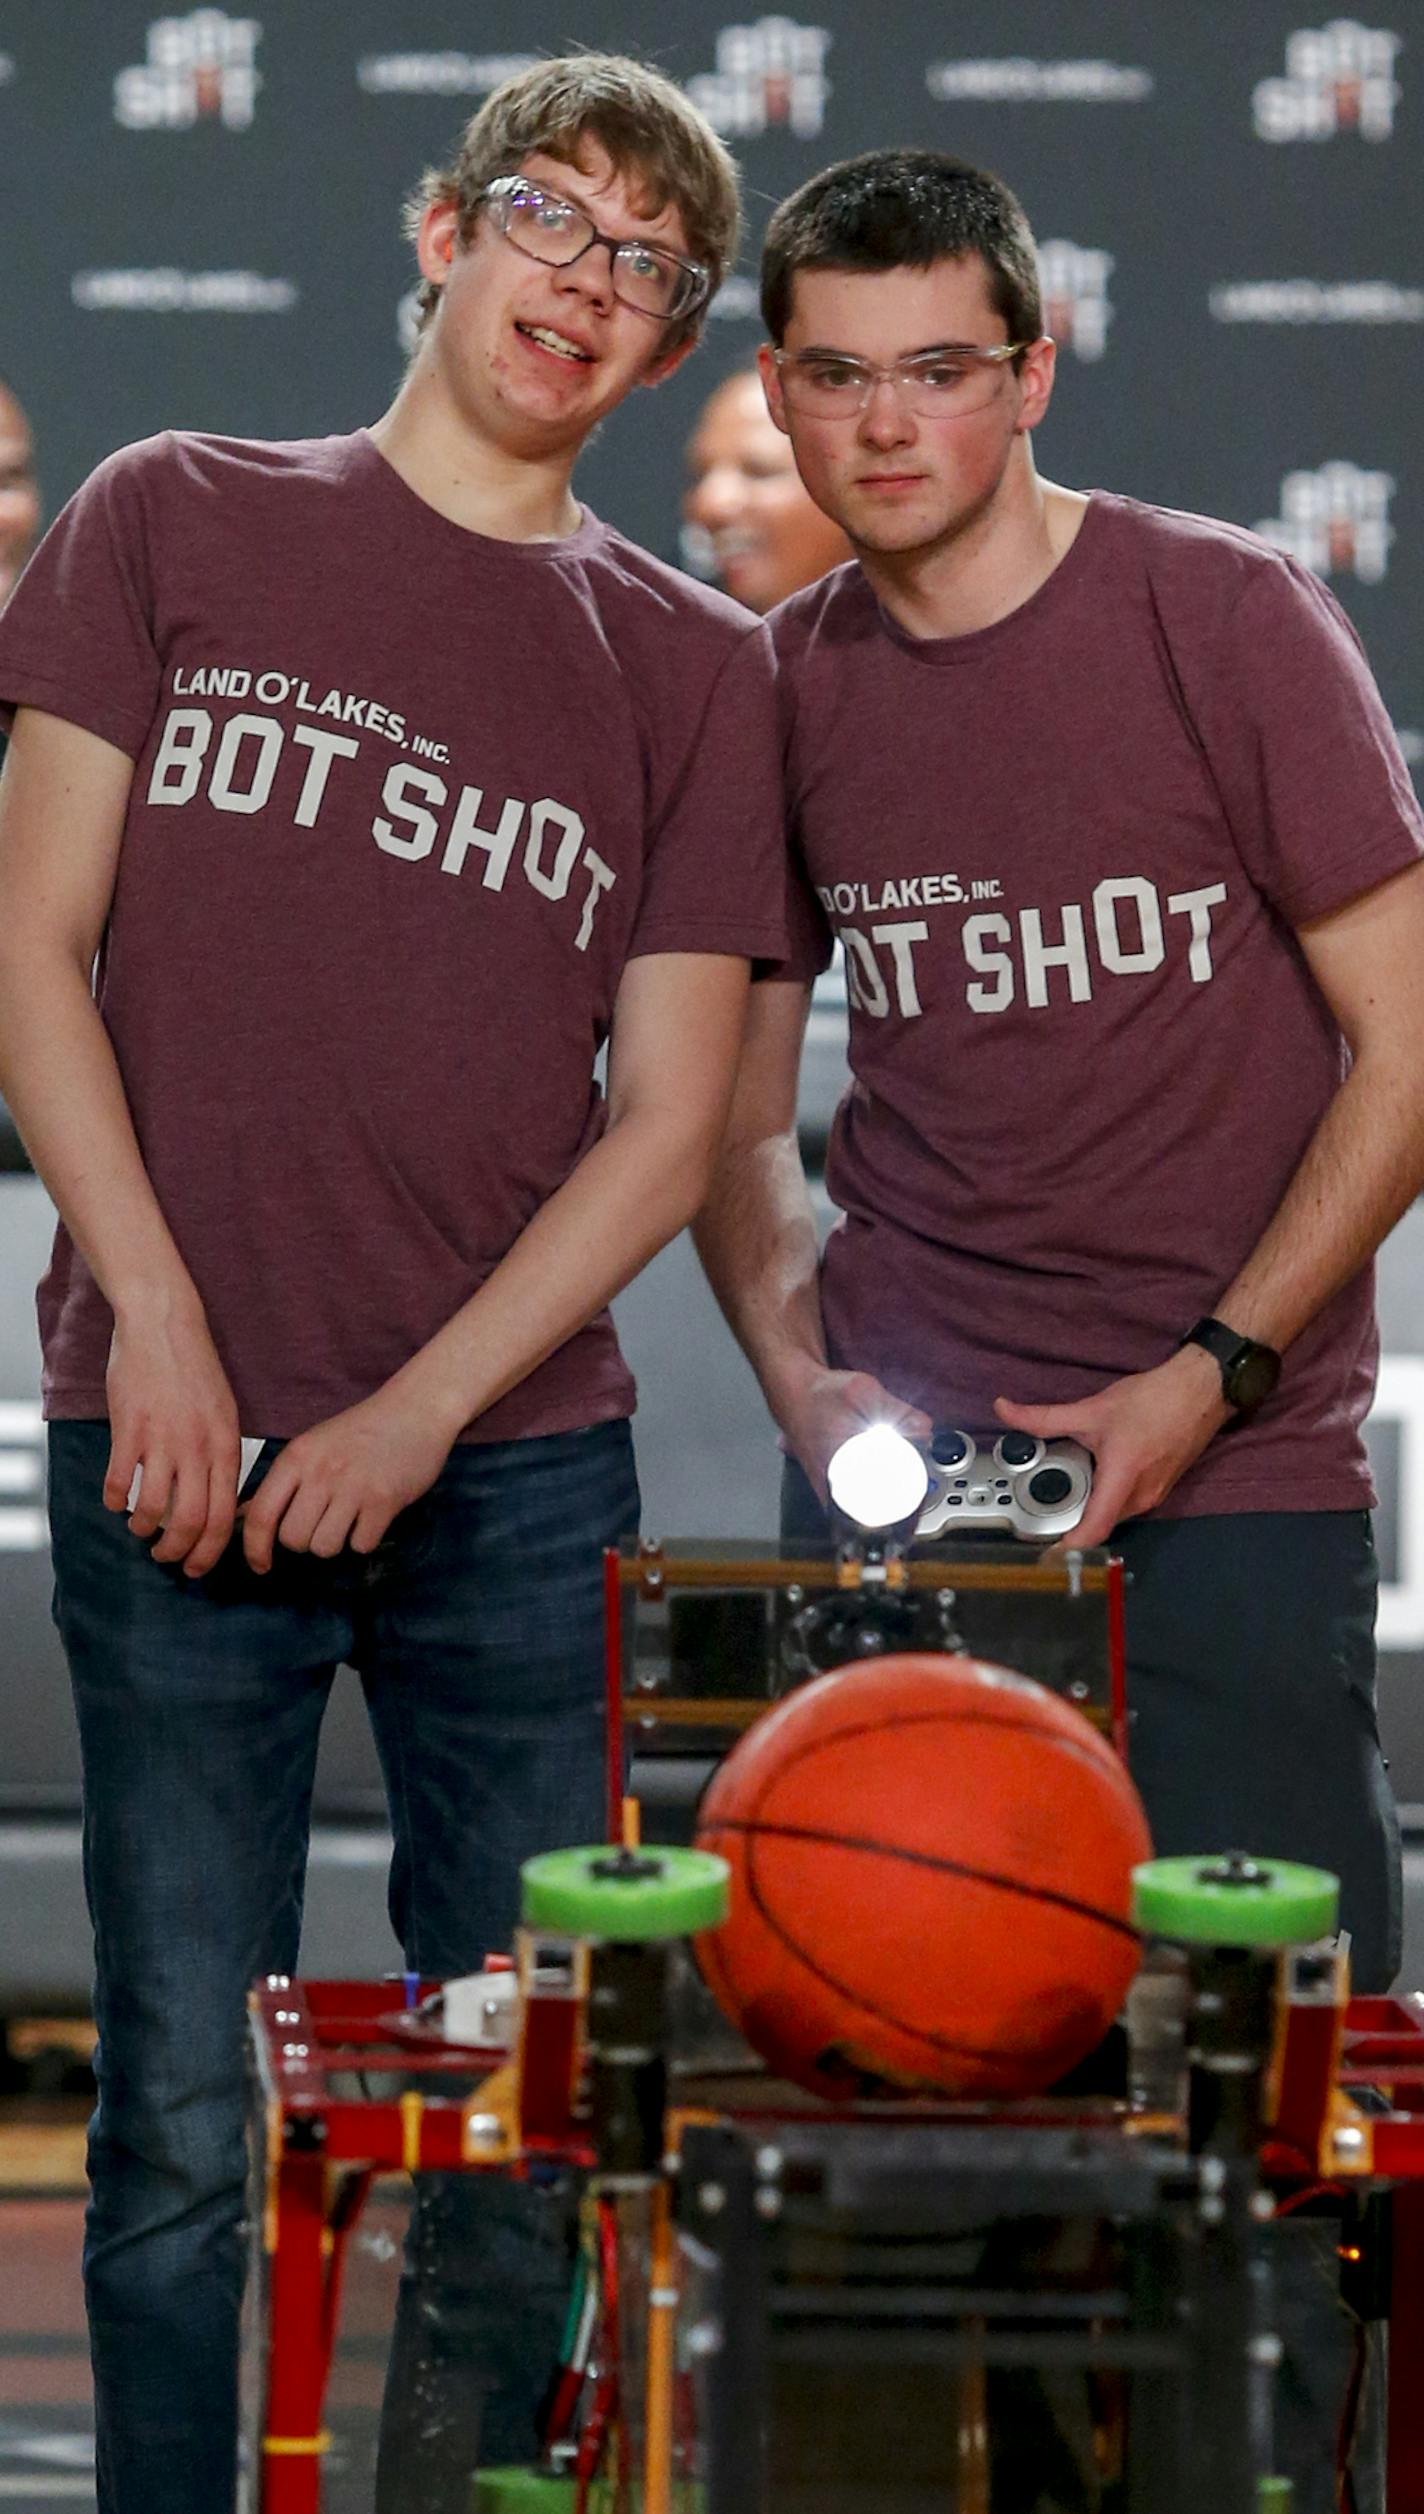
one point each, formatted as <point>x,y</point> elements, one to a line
<point>784,2307</point>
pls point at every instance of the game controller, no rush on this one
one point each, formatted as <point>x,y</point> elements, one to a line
<point>1036,1490</point>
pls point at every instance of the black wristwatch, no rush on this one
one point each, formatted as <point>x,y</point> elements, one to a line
<point>1249,1371</point>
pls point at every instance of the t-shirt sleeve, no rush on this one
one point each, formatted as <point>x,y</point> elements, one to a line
<point>76,636</point>
<point>714,877</point>
<point>1312,778</point>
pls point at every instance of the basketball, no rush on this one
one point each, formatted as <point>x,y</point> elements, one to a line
<point>931,1863</point>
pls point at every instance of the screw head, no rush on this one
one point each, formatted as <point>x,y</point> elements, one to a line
<point>711,2198</point>
<point>768,2200</point>
<point>485,2128</point>
<point>768,2163</point>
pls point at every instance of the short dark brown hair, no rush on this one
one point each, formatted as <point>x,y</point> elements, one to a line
<point>899,208</point>
<point>647,126</point>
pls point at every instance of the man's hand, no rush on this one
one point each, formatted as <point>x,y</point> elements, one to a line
<point>172,1415</point>
<point>342,1482</point>
<point>1144,1432</point>
<point>830,1406</point>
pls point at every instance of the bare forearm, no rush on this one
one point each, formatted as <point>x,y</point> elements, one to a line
<point>634,1191</point>
<point>60,1076</point>
<point>1361,1169</point>
<point>756,1237</point>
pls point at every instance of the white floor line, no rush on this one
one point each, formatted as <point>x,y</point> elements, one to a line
<point>11,2485</point>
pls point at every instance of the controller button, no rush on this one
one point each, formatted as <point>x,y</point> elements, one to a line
<point>1017,1448</point>
<point>949,1448</point>
<point>1049,1487</point>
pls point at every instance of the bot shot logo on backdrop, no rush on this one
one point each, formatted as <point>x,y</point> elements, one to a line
<point>1338,77</point>
<point>1336,521</point>
<point>770,76</point>
<point>200,68</point>
<point>1073,281</point>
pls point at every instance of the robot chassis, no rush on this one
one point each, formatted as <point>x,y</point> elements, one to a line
<point>751,2258</point>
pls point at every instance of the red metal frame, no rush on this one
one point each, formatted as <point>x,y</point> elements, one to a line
<point>1117,1652</point>
<point>613,1686</point>
<point>310,2036</point>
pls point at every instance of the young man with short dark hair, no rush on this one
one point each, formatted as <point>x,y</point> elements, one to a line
<point>386,784</point>
<point>1105,808</point>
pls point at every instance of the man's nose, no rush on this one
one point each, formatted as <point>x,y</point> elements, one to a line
<point>716,497</point>
<point>886,420</point>
<point>591,276</point>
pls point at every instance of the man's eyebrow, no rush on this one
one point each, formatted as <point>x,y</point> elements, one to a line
<point>931,349</point>
<point>541,183</point>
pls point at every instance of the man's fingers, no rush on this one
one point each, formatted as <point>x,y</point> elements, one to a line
<point>213,1541</point>
<point>1050,1422</point>
<point>262,1515</point>
<point>331,1530</point>
<point>187,1514</point>
<point>123,1466</point>
<point>150,1508</point>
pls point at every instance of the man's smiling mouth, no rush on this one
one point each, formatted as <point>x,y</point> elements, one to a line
<point>557,342</point>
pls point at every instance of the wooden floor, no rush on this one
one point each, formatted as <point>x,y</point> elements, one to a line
<point>46,2413</point>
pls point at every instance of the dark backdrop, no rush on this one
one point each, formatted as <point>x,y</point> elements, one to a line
<point>201,228</point>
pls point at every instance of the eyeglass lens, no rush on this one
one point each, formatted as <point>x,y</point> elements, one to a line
<point>934,387</point>
<point>556,231</point>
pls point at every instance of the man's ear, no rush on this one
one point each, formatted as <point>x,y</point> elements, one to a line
<point>437,241</point>
<point>1036,383</point>
<point>770,374</point>
<point>670,361</point>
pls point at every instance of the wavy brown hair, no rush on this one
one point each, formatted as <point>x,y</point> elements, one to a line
<point>653,135</point>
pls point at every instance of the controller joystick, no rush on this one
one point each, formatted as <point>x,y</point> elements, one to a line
<point>1036,1490</point>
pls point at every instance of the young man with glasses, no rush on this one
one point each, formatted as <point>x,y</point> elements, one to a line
<point>1104,806</point>
<point>1110,820</point>
<point>1106,811</point>
<point>386,783</point>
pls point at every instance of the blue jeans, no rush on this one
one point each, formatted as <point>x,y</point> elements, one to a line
<point>476,1630</point>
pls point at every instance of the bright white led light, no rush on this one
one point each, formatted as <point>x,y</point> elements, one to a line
<point>878,1477</point>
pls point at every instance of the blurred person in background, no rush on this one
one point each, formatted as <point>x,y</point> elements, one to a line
<point>19,492</point>
<point>747,522</point>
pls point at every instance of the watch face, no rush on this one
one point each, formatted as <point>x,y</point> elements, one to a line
<point>1252,1376</point>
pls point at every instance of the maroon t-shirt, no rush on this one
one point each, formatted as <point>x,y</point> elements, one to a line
<point>405,801</point>
<point>1065,855</point>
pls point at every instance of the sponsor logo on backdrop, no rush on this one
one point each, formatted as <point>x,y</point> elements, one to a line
<point>1338,77</point>
<point>1017,82</point>
<point>408,322</point>
<point>7,68</point>
<point>200,68</point>
<point>1316,301</point>
<point>22,1515</point>
<point>1411,743</point>
<point>1335,520</point>
<point>439,73</point>
<point>1073,281</point>
<point>182,292</point>
<point>770,76</point>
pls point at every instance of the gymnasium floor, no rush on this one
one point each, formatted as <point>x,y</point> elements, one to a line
<point>46,2420</point>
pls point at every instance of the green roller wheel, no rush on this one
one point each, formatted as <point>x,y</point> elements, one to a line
<point>1234,1901</point>
<point>1274,2496</point>
<point>522,2492</point>
<point>607,1893</point>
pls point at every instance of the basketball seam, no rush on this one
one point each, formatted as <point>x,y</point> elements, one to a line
<point>844,1990</point>
<point>929,1859</point>
<point>930,1719</point>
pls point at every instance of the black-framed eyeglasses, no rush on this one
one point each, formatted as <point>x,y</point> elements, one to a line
<point>959,376</point>
<point>662,285</point>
